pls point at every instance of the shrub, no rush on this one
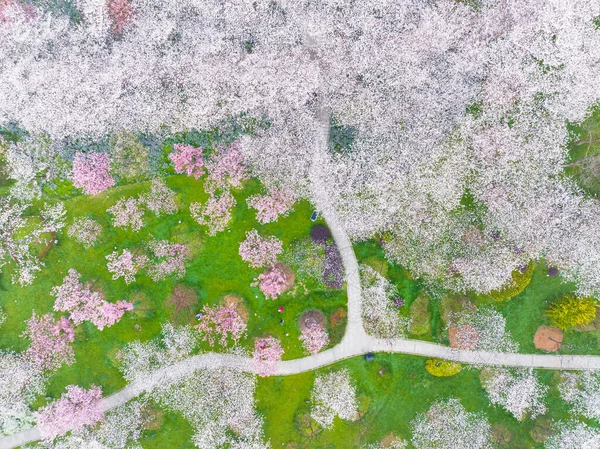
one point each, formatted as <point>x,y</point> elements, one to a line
<point>570,311</point>
<point>521,279</point>
<point>442,368</point>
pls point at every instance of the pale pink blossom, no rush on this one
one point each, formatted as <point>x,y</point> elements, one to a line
<point>272,283</point>
<point>259,251</point>
<point>220,323</point>
<point>313,337</point>
<point>85,231</point>
<point>216,212</point>
<point>127,212</point>
<point>50,341</point>
<point>125,265</point>
<point>169,259</point>
<point>85,305</point>
<point>226,169</point>
<point>91,172</point>
<point>267,352</point>
<point>75,409</point>
<point>160,199</point>
<point>275,203</point>
<point>187,159</point>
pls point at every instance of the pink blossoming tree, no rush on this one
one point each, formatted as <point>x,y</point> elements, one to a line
<point>272,283</point>
<point>314,337</point>
<point>267,352</point>
<point>85,305</point>
<point>125,265</point>
<point>91,172</point>
<point>187,159</point>
<point>76,408</point>
<point>270,206</point>
<point>220,323</point>
<point>120,13</point>
<point>169,259</point>
<point>259,251</point>
<point>226,169</point>
<point>216,212</point>
<point>127,212</point>
<point>50,341</point>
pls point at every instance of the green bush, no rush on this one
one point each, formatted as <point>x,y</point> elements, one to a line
<point>570,311</point>
<point>520,281</point>
<point>442,368</point>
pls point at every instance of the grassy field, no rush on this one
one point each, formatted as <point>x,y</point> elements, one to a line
<point>215,270</point>
<point>392,390</point>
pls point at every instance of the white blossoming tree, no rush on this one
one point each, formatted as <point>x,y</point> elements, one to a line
<point>448,425</point>
<point>333,395</point>
<point>582,391</point>
<point>380,317</point>
<point>518,391</point>
<point>574,435</point>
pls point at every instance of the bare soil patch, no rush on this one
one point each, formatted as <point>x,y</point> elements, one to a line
<point>464,336</point>
<point>548,338</point>
<point>310,318</point>
<point>238,304</point>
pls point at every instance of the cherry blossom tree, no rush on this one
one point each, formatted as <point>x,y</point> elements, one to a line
<point>416,127</point>
<point>160,199</point>
<point>33,161</point>
<point>518,391</point>
<point>169,259</point>
<point>333,395</point>
<point>447,424</point>
<point>137,360</point>
<point>271,206</point>
<point>121,428</point>
<point>121,13</point>
<point>50,341</point>
<point>220,324</point>
<point>127,212</point>
<point>273,282</point>
<point>313,337</point>
<point>85,305</point>
<point>380,316</point>
<point>85,230</point>
<point>260,251</point>
<point>219,403</point>
<point>187,159</point>
<point>18,233</point>
<point>75,409</point>
<point>91,172</point>
<point>125,265</point>
<point>490,328</point>
<point>21,382</point>
<point>216,212</point>
<point>267,352</point>
<point>582,391</point>
<point>574,435</point>
<point>226,169</point>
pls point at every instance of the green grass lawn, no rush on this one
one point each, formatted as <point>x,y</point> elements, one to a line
<point>215,270</point>
<point>392,389</point>
<point>524,313</point>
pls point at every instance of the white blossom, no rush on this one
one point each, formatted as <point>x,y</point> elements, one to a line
<point>582,391</point>
<point>380,317</point>
<point>448,425</point>
<point>20,383</point>
<point>517,390</point>
<point>574,435</point>
<point>333,395</point>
